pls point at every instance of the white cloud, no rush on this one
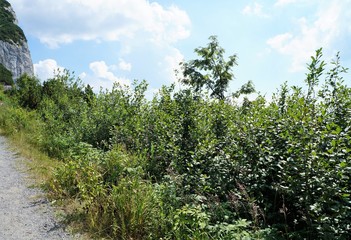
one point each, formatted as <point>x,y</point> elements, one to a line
<point>65,21</point>
<point>171,63</point>
<point>102,76</point>
<point>151,92</point>
<point>323,31</point>
<point>125,66</point>
<point>281,3</point>
<point>255,9</point>
<point>82,75</point>
<point>46,69</point>
<point>280,41</point>
<point>133,25</point>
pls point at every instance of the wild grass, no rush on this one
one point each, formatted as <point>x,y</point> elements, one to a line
<point>22,139</point>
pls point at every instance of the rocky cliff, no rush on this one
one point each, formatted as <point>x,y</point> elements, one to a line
<point>14,51</point>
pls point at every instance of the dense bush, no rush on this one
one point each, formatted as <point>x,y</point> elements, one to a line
<point>189,164</point>
<point>5,76</point>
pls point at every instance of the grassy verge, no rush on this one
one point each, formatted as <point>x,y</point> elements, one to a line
<point>37,165</point>
<point>83,188</point>
<point>21,128</point>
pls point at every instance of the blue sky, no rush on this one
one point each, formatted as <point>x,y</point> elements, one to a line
<point>104,41</point>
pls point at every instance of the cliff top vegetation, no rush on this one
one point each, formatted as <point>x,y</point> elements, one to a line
<point>9,30</point>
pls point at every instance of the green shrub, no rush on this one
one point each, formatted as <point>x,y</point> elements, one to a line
<point>15,120</point>
<point>132,211</point>
<point>80,176</point>
<point>5,76</point>
<point>28,91</point>
<point>185,166</point>
<point>190,222</point>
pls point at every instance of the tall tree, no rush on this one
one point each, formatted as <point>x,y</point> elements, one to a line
<point>211,70</point>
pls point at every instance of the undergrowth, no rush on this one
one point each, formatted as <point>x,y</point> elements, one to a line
<point>191,165</point>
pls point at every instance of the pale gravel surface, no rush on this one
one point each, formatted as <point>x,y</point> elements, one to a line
<point>25,214</point>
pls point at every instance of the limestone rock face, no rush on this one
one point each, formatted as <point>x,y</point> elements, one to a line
<point>14,51</point>
<point>16,58</point>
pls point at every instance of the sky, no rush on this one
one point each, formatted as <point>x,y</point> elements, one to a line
<point>107,41</point>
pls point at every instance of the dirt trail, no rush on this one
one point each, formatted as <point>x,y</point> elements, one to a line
<point>24,212</point>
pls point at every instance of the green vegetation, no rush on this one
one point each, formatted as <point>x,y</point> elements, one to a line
<point>5,76</point>
<point>9,31</point>
<point>192,163</point>
<point>211,70</point>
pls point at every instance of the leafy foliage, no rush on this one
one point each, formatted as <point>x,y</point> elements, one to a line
<point>29,91</point>
<point>211,70</point>
<point>186,166</point>
<point>5,76</point>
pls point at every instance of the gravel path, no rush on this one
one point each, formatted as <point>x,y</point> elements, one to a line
<point>24,212</point>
